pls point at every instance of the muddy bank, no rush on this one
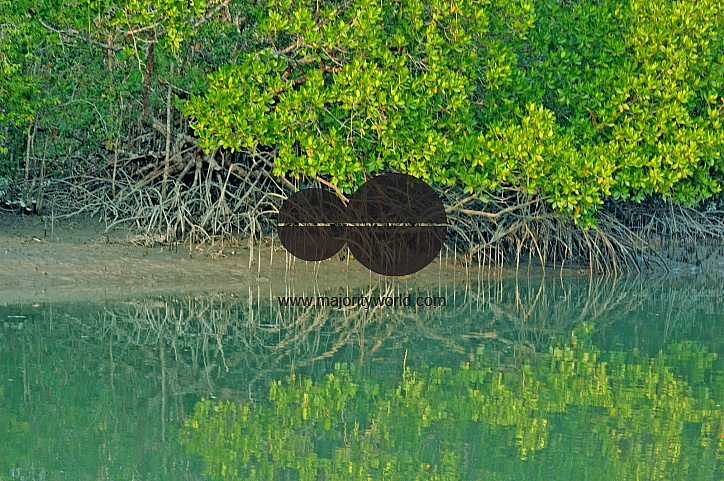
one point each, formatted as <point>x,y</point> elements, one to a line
<point>75,260</point>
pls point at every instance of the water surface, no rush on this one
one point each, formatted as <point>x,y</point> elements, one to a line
<point>572,378</point>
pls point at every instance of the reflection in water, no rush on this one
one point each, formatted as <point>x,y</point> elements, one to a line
<point>590,415</point>
<point>542,379</point>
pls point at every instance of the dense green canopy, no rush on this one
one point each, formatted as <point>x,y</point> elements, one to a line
<point>569,101</point>
<point>561,103</point>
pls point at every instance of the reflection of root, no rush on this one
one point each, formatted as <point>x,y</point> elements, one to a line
<point>194,340</point>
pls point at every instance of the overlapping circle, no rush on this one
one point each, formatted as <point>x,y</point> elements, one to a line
<point>395,224</point>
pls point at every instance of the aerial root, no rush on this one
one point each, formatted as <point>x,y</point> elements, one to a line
<point>218,197</point>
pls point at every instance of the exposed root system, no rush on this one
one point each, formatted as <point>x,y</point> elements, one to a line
<point>508,230</point>
<point>188,195</point>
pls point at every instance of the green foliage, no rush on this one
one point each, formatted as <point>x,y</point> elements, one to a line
<point>17,44</point>
<point>356,90</point>
<point>168,21</point>
<point>631,408</point>
<point>78,69</point>
<point>568,101</point>
<point>19,93</point>
<point>11,428</point>
<point>571,102</point>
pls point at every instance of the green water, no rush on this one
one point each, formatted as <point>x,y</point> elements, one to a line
<point>570,379</point>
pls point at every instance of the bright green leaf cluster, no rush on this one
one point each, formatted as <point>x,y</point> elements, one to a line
<point>19,93</point>
<point>572,102</point>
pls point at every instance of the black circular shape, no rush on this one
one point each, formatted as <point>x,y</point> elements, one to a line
<point>311,224</point>
<point>397,224</point>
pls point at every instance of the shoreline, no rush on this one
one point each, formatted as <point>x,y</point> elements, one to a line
<point>79,262</point>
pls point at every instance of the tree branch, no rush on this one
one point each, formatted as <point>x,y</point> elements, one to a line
<point>72,34</point>
<point>210,14</point>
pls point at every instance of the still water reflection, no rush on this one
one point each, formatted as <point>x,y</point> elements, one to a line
<point>530,379</point>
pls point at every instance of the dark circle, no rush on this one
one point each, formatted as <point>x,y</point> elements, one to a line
<point>311,224</point>
<point>398,224</point>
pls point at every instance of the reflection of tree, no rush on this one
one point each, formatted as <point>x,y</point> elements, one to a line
<point>228,345</point>
<point>140,366</point>
<point>81,403</point>
<point>223,345</point>
<point>11,428</point>
<point>628,413</point>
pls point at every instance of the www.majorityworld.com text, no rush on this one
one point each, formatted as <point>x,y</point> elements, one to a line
<point>363,301</point>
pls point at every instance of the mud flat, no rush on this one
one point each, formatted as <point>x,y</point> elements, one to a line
<point>76,260</point>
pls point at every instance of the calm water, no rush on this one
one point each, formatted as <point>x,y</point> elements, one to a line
<point>570,379</point>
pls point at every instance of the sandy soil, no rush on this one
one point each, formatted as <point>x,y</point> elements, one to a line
<point>75,260</point>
